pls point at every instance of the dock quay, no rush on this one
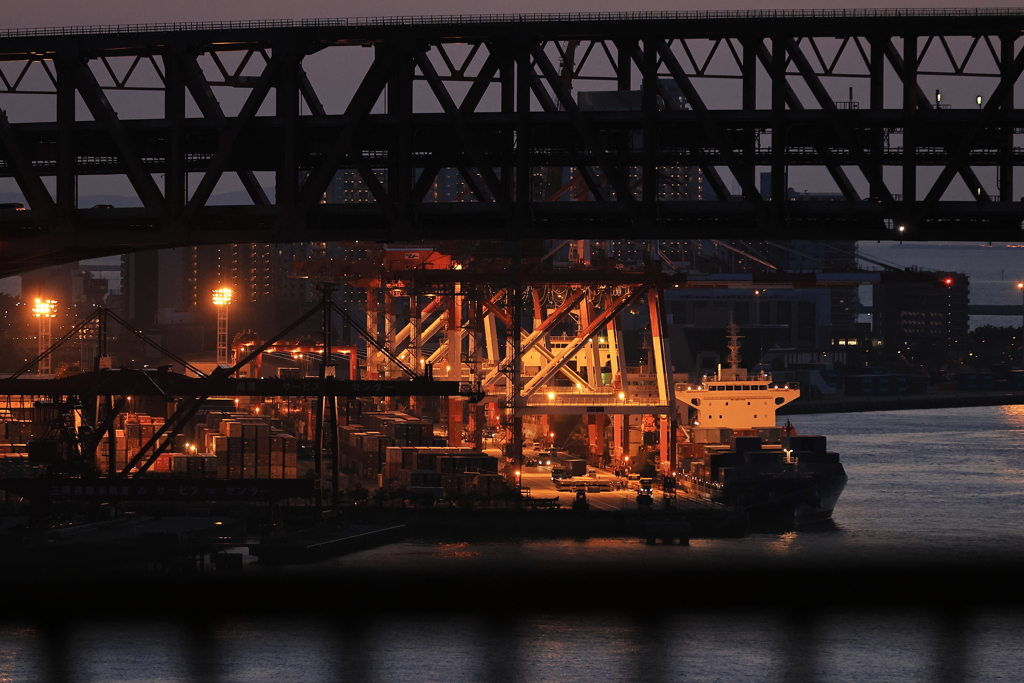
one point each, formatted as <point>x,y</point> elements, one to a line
<point>668,531</point>
<point>312,545</point>
<point>939,399</point>
<point>454,524</point>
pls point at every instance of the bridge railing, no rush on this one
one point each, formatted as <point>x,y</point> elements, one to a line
<point>440,19</point>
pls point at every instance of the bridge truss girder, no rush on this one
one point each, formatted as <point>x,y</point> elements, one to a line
<point>488,99</point>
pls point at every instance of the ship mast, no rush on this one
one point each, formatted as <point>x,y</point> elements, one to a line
<point>733,372</point>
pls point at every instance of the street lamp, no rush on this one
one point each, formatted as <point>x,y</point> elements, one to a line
<point>221,299</point>
<point>45,310</point>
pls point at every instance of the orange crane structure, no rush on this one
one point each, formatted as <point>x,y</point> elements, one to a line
<point>541,342</point>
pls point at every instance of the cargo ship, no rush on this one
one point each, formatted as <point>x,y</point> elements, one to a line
<point>733,453</point>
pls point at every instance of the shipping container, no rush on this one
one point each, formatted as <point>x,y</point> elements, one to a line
<point>411,478</point>
<point>711,434</point>
<point>744,444</point>
<point>574,467</point>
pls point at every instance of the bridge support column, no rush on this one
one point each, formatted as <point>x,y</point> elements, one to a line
<point>67,175</point>
<point>400,104</point>
<point>909,118</point>
<point>667,454</point>
<point>596,450</point>
<point>455,421</point>
<point>1006,165</point>
<point>174,112</point>
<point>779,175</point>
<point>287,110</point>
<point>476,425</point>
<point>620,429</point>
<point>547,427</point>
<point>750,105</point>
<point>877,103</point>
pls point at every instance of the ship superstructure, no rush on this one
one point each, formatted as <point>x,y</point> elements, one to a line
<point>735,454</point>
<point>734,399</point>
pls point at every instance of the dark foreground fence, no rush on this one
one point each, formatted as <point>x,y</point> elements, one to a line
<point>758,619</point>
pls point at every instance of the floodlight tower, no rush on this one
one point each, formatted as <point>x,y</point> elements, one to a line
<point>45,310</point>
<point>222,299</point>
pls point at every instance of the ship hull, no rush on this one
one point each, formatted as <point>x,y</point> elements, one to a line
<point>796,501</point>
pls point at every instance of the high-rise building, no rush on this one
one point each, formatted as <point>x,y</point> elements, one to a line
<point>923,320</point>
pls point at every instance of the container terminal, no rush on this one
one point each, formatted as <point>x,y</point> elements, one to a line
<point>478,379</point>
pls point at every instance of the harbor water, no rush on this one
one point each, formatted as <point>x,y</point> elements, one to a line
<point>948,483</point>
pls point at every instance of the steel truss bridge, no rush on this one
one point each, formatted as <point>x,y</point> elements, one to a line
<point>398,102</point>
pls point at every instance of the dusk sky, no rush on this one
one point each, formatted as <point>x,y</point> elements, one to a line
<point>64,13</point>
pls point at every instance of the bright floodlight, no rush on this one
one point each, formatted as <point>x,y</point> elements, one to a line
<point>222,296</point>
<point>45,308</point>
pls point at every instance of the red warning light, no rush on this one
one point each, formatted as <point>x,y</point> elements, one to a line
<point>948,281</point>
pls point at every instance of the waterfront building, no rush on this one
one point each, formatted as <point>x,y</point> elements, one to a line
<point>921,320</point>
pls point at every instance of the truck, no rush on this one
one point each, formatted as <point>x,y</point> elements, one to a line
<point>591,484</point>
<point>575,468</point>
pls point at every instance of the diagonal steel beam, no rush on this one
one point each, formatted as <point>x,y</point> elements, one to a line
<point>493,308</point>
<point>794,103</point>
<point>572,348</point>
<point>424,182</point>
<point>568,372</point>
<point>548,356</point>
<point>228,137</point>
<point>536,86</point>
<point>309,95</point>
<point>481,82</point>
<point>704,160</point>
<point>377,189</point>
<point>473,185</point>
<point>714,132</point>
<point>359,106</point>
<point>432,307</point>
<point>202,94</point>
<point>434,327</point>
<point>28,180</point>
<point>966,172</point>
<point>462,130</point>
<point>584,128</point>
<point>963,149</point>
<point>530,340</point>
<point>870,172</point>
<point>96,100</point>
